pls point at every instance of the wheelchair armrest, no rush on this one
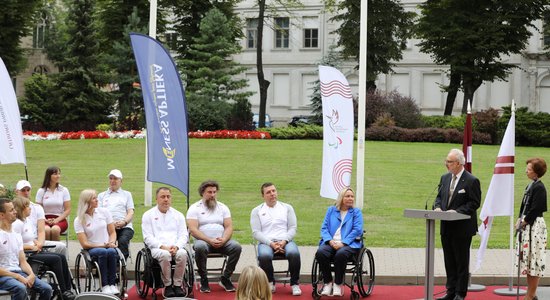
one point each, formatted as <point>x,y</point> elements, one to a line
<point>86,254</point>
<point>121,256</point>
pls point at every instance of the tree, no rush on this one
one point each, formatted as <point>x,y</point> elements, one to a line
<point>128,100</point>
<point>39,104</point>
<point>388,28</point>
<point>78,84</point>
<point>472,37</point>
<point>16,19</point>
<point>188,15</point>
<point>332,59</point>
<point>210,75</point>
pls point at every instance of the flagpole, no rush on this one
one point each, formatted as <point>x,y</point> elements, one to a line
<point>148,185</point>
<point>361,107</point>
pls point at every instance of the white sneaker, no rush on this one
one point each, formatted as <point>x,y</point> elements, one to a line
<point>106,289</point>
<point>337,290</point>
<point>272,286</point>
<point>296,291</point>
<point>327,289</point>
<point>114,290</point>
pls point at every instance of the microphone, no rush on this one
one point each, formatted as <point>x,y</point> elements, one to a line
<point>430,195</point>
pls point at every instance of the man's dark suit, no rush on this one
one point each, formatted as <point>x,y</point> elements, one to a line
<point>456,236</point>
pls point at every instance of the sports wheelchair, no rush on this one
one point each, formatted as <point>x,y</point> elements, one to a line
<point>88,274</point>
<point>361,269</point>
<point>148,274</point>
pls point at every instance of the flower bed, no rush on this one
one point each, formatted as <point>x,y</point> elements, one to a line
<point>137,134</point>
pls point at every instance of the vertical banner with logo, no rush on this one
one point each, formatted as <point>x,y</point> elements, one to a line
<point>12,148</point>
<point>338,131</point>
<point>165,113</point>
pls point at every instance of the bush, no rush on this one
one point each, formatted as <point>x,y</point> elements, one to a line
<point>487,122</point>
<point>104,127</point>
<point>240,117</point>
<point>312,132</point>
<point>532,129</point>
<point>433,135</point>
<point>207,115</point>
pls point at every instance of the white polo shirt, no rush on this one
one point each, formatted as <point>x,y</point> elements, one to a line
<point>25,229</point>
<point>53,201</point>
<point>210,221</point>
<point>95,227</point>
<point>11,244</point>
<point>118,203</point>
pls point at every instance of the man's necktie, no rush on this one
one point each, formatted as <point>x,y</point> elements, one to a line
<point>452,190</point>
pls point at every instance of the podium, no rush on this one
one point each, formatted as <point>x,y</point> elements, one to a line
<point>430,216</point>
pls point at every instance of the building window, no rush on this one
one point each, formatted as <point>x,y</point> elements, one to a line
<point>40,69</point>
<point>546,31</point>
<point>39,33</point>
<point>282,32</point>
<point>311,32</point>
<point>171,40</point>
<point>252,33</point>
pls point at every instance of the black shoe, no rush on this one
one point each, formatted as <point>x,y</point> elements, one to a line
<point>179,292</point>
<point>68,295</point>
<point>227,284</point>
<point>204,285</point>
<point>169,292</point>
<point>447,297</point>
<point>458,297</point>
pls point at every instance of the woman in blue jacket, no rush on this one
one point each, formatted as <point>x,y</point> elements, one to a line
<point>340,240</point>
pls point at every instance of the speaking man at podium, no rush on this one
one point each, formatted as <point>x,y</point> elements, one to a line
<point>460,192</point>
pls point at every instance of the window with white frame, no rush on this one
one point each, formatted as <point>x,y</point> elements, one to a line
<point>39,33</point>
<point>311,32</point>
<point>282,32</point>
<point>252,33</point>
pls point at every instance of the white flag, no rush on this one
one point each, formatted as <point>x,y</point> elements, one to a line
<point>499,200</point>
<point>338,131</point>
<point>12,149</point>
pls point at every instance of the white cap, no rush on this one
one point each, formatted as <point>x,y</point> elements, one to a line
<point>116,173</point>
<point>21,184</point>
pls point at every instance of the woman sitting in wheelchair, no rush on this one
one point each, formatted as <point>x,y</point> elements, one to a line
<point>96,233</point>
<point>340,241</point>
<point>33,240</point>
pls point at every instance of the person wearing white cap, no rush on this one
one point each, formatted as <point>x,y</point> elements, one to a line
<point>38,218</point>
<point>121,206</point>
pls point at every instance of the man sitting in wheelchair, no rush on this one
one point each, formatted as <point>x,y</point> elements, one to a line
<point>165,234</point>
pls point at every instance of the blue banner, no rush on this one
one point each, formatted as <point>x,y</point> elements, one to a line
<point>165,113</point>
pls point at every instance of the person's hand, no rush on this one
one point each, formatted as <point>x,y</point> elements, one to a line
<point>30,280</point>
<point>38,245</point>
<point>276,246</point>
<point>173,250</point>
<point>335,245</point>
<point>217,242</point>
<point>120,224</point>
<point>49,221</point>
<point>110,244</point>
<point>437,209</point>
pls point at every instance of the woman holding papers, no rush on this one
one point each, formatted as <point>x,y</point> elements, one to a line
<point>531,224</point>
<point>340,240</point>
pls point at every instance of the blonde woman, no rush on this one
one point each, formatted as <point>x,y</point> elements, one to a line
<point>253,285</point>
<point>96,233</point>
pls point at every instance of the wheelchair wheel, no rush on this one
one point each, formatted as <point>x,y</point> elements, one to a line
<point>143,273</point>
<point>122,276</point>
<point>84,274</point>
<point>189,276</point>
<point>365,273</point>
<point>316,280</point>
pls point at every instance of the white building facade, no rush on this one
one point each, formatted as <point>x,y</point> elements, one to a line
<point>294,43</point>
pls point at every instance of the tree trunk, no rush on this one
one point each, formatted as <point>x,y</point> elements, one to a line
<point>452,90</point>
<point>262,83</point>
<point>470,86</point>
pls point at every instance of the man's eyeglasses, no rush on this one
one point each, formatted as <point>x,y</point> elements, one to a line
<point>450,161</point>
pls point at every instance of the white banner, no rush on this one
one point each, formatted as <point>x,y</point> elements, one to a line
<point>338,132</point>
<point>12,149</point>
<point>499,200</point>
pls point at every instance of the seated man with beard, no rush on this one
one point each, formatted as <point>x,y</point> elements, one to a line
<point>209,222</point>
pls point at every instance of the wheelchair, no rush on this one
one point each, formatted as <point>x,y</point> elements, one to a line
<point>88,274</point>
<point>361,270</point>
<point>148,274</point>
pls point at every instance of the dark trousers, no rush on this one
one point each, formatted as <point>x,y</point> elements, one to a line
<point>231,248</point>
<point>456,253</point>
<point>57,263</point>
<point>325,254</point>
<point>123,237</point>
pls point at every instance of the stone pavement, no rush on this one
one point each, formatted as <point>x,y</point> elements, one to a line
<point>393,266</point>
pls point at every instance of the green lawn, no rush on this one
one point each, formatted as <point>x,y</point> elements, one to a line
<point>397,176</point>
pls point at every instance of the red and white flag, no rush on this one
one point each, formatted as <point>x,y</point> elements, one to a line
<point>499,200</point>
<point>338,131</point>
<point>467,141</point>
